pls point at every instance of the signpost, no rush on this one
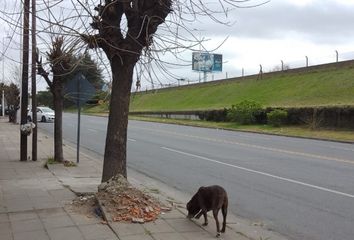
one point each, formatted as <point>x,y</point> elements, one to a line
<point>79,90</point>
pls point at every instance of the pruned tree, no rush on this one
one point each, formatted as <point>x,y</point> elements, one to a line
<point>125,29</point>
<point>61,62</point>
<point>123,51</point>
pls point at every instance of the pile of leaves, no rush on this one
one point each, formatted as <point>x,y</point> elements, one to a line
<point>126,203</point>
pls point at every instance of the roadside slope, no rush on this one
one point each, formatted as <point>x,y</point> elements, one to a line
<point>317,86</point>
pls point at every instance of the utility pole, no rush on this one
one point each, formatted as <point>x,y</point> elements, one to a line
<point>34,83</point>
<point>3,103</point>
<point>24,90</point>
<point>3,74</point>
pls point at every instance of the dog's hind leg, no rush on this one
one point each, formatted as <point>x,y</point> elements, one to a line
<point>224,214</point>
<point>215,214</point>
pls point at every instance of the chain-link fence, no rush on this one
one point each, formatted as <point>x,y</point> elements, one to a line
<point>281,65</point>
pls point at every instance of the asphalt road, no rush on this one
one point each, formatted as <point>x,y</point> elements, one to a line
<point>301,188</point>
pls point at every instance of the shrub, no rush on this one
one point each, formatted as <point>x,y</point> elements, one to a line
<point>213,115</point>
<point>277,117</point>
<point>245,112</point>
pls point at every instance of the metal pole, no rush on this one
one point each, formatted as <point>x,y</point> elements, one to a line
<point>34,83</point>
<point>78,121</point>
<point>260,74</point>
<point>3,76</point>
<point>282,65</point>
<point>307,61</point>
<point>337,56</point>
<point>24,91</point>
<point>3,103</point>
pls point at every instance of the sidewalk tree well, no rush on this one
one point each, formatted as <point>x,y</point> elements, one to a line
<point>127,31</point>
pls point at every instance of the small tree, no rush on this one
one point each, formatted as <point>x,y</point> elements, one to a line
<point>12,95</point>
<point>61,63</point>
<point>12,98</point>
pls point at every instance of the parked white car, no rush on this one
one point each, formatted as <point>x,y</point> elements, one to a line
<point>44,114</point>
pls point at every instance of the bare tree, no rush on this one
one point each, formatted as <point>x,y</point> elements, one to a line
<point>125,31</point>
<point>61,61</point>
<point>123,52</point>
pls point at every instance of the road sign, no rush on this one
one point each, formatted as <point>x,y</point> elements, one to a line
<point>79,90</point>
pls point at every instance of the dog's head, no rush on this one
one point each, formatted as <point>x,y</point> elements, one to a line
<point>193,207</point>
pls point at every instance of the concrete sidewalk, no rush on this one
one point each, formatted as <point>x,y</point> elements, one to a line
<point>33,200</point>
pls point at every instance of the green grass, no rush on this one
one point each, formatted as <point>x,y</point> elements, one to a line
<point>331,85</point>
<point>51,160</point>
<point>319,87</point>
<point>102,108</point>
<point>344,135</point>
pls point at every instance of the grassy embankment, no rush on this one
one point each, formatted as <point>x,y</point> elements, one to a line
<point>330,86</point>
<point>333,85</point>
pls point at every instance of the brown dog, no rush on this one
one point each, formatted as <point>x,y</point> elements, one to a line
<point>206,199</point>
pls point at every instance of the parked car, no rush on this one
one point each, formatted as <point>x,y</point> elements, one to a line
<point>44,114</point>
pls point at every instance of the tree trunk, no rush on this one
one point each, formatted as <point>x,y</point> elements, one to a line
<point>116,140</point>
<point>58,123</point>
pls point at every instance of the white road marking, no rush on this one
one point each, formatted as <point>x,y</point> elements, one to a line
<point>261,173</point>
<point>132,140</point>
<point>341,148</point>
<point>279,150</point>
<point>92,130</point>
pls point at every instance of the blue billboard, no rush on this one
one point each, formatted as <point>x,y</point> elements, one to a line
<point>206,62</point>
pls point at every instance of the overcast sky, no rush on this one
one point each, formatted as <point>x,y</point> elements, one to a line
<point>285,30</point>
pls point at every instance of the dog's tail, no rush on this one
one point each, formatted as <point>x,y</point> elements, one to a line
<point>225,202</point>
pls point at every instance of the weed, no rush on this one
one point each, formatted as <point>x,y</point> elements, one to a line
<point>154,190</point>
<point>51,160</point>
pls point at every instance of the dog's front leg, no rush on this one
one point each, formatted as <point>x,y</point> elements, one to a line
<point>205,218</point>
<point>204,213</point>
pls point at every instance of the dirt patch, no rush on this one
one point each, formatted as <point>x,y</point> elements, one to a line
<point>86,205</point>
<point>125,203</point>
<point>120,201</point>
